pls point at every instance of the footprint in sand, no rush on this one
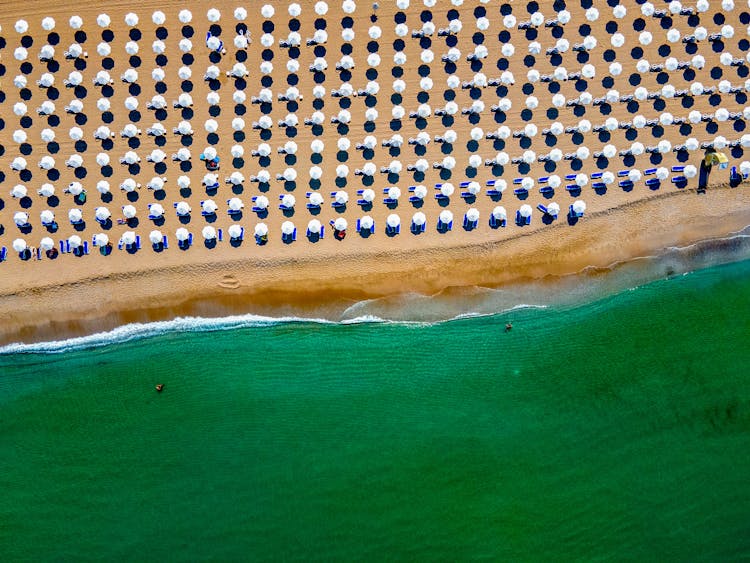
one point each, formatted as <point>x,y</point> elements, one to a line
<point>228,281</point>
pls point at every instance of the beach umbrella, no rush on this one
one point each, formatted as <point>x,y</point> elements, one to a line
<point>581,180</point>
<point>208,232</point>
<point>662,173</point>
<point>341,197</point>
<point>261,202</point>
<point>102,186</point>
<point>261,229</point>
<point>20,109</point>
<point>447,189</point>
<point>156,210</point>
<point>103,49</point>
<point>474,188</point>
<point>368,195</point>
<point>75,188</point>
<point>445,216</point>
<point>129,211</point>
<point>582,153</point>
<point>213,15</point>
<point>554,181</point>
<point>20,54</point>
<point>394,192</point>
<point>234,231</point>
<point>527,183</point>
<point>131,19</point>
<point>555,155</point>
<point>46,244</point>
<point>128,238</point>
<point>664,146</point>
<point>20,218</point>
<point>287,227</point>
<point>608,177</point>
<point>182,208</point>
<point>103,20</point>
<point>316,198</point>
<point>47,190</point>
<point>499,213</point>
<point>340,224</point>
<point>131,103</point>
<point>155,237</point>
<point>18,163</point>
<point>158,17</point>
<point>553,209</point>
<point>579,206</point>
<point>475,161</point>
<point>209,206</point>
<point>19,245</point>
<point>313,226</point>
<point>18,191</point>
<point>472,214</point>
<point>263,176</point>
<point>75,216</point>
<point>102,214</point>
<point>103,104</point>
<point>182,234</point>
<point>288,200</point>
<point>185,16</point>
<point>393,220</point>
<point>525,210</point>
<point>419,219</point>
<point>690,171</point>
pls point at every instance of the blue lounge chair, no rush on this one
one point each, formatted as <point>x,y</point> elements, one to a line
<point>570,177</point>
<point>67,247</point>
<point>623,172</point>
<point>653,183</point>
<point>680,168</point>
<point>596,175</point>
<point>441,196</point>
<point>309,206</point>
<point>517,180</point>
<point>649,171</point>
<point>389,201</point>
<point>412,188</point>
<point>680,181</point>
<point>392,230</point>
<point>363,202</point>
<point>165,242</point>
<point>599,186</point>
<point>220,234</point>
<point>3,254</point>
<point>547,190</point>
<point>572,213</point>
<point>521,220</point>
<point>543,209</point>
<point>494,193</point>
<point>626,184</point>
<point>464,184</point>
<point>359,192</point>
<point>543,179</point>
<point>138,242</point>
<point>85,247</point>
<point>573,188</point>
<point>415,199</point>
<point>521,191</point>
<point>445,226</point>
<point>62,247</point>
<point>491,182</point>
<point>496,223</point>
<point>470,225</point>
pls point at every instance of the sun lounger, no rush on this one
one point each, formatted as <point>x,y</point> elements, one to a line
<point>359,192</point>
<point>653,183</point>
<point>441,196</point>
<point>543,179</point>
<point>521,191</point>
<point>623,172</point>
<point>85,247</point>
<point>678,168</point>
<point>392,230</point>
<point>363,202</point>
<point>599,186</point>
<point>220,234</point>
<point>466,195</point>
<point>415,199</point>
<point>494,193</point>
<point>416,229</point>
<point>626,184</point>
<point>496,223</point>
<point>470,225</point>
<point>570,177</point>
<point>572,213</point>
<point>680,181</point>
<point>67,247</point>
<point>543,209</point>
<point>596,175</point>
<point>3,254</point>
<point>517,180</point>
<point>464,184</point>
<point>547,190</point>
<point>445,226</point>
<point>389,201</point>
<point>138,242</point>
<point>309,206</point>
<point>491,182</point>
<point>649,171</point>
<point>521,220</point>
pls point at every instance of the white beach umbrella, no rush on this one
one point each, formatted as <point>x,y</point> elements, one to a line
<point>313,226</point>
<point>341,197</point>
<point>75,215</point>
<point>182,209</point>
<point>608,177</point>
<point>208,232</point>
<point>579,206</point>
<point>261,202</point>
<point>21,218</point>
<point>47,190</point>
<point>209,206</point>
<point>419,219</point>
<point>129,211</point>
<point>525,210</point>
<point>447,189</point>
<point>288,200</point>
<point>102,214</point>
<point>19,245</point>
<point>287,227</point>
<point>234,231</point>
<point>155,237</point>
<point>393,220</point>
<point>368,195</point>
<point>581,180</point>
<point>156,210</point>
<point>46,244</point>
<point>182,234</point>
<point>75,188</point>
<point>261,229</point>
<point>499,213</point>
<point>690,171</point>
<point>102,186</point>
<point>19,191</point>
<point>316,198</point>
<point>340,224</point>
<point>446,216</point>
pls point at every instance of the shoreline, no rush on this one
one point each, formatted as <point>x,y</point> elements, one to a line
<point>325,286</point>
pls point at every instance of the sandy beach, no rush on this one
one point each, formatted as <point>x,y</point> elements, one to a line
<point>50,299</point>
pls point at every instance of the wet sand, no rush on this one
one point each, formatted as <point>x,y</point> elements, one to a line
<point>53,299</point>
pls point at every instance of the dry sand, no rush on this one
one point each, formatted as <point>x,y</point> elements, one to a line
<point>51,299</point>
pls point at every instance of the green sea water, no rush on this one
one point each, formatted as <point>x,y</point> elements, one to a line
<point>613,430</point>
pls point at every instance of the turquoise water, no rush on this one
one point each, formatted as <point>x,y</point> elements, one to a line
<point>617,429</point>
